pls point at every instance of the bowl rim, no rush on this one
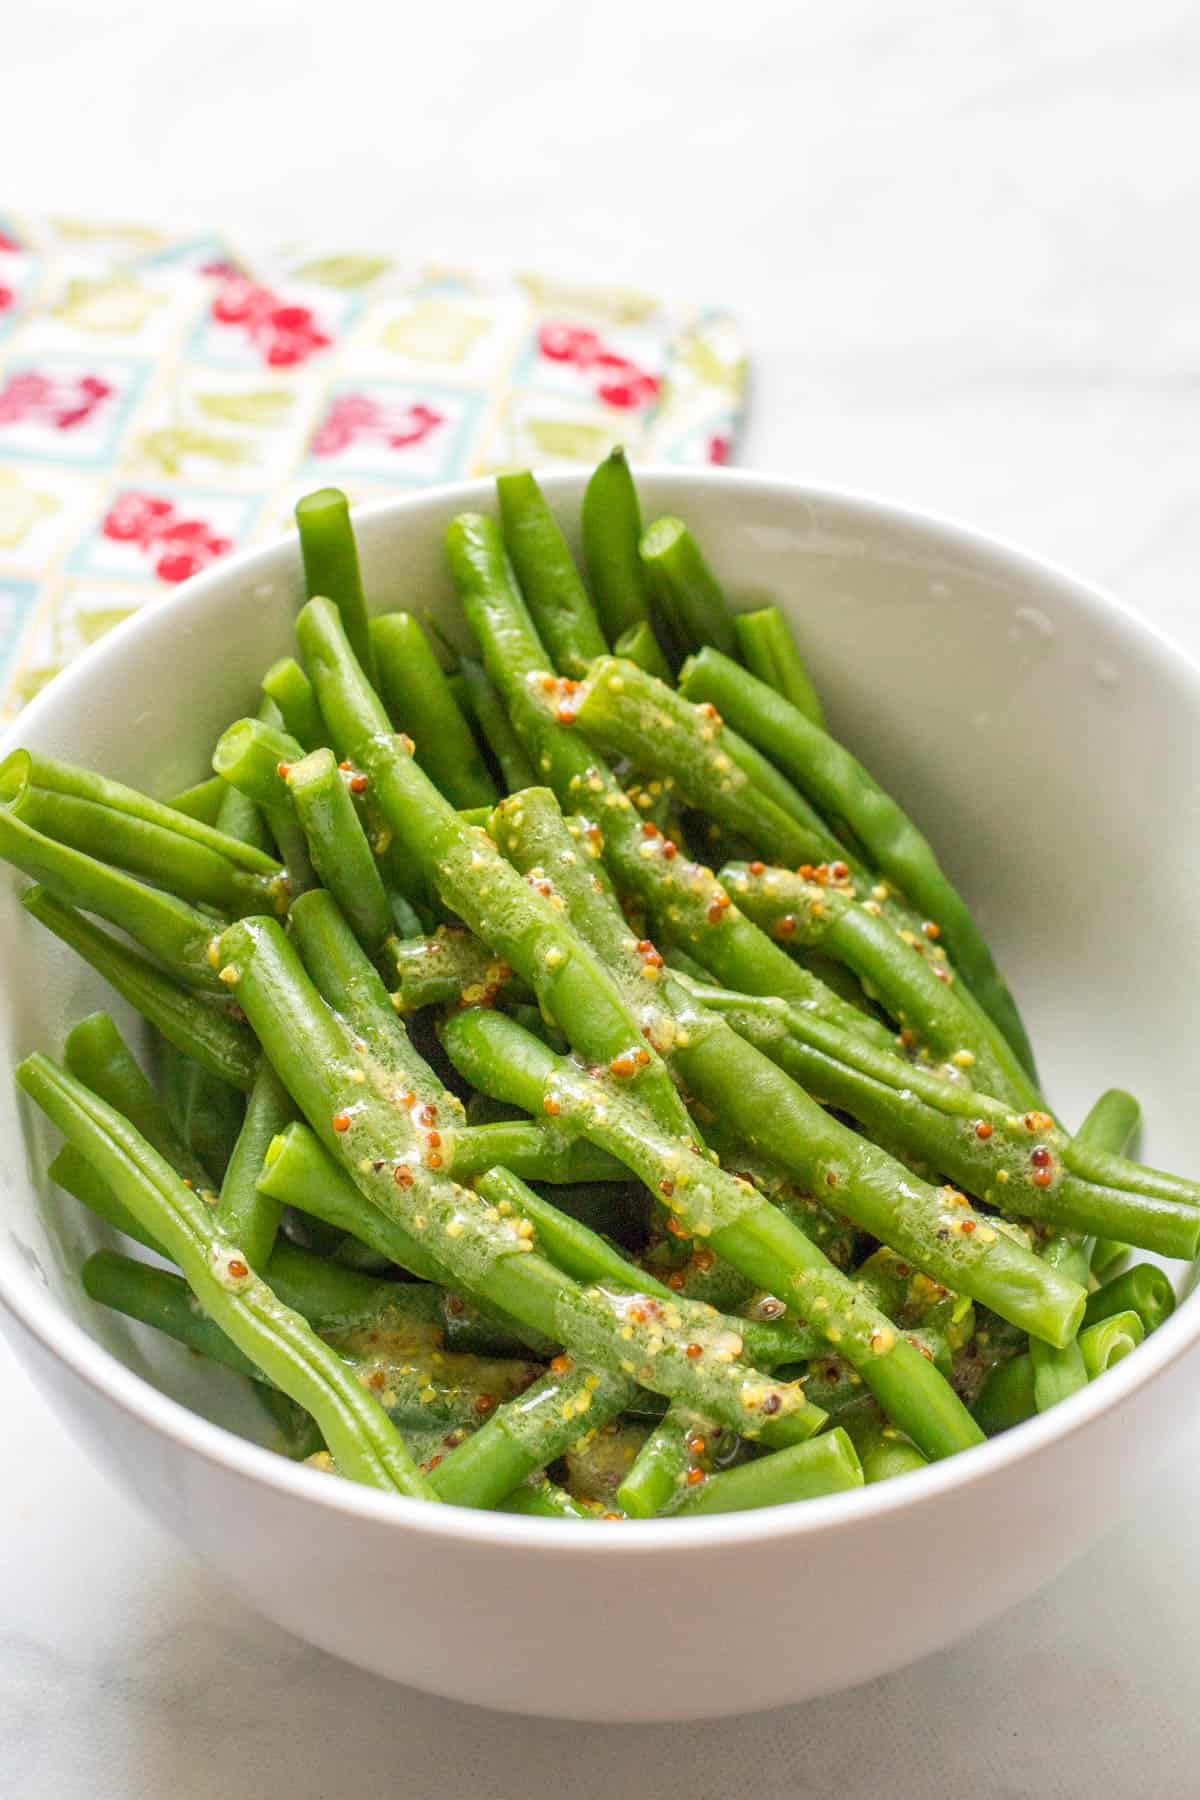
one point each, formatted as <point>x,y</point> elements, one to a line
<point>65,1340</point>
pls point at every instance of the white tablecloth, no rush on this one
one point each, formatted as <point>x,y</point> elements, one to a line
<point>964,242</point>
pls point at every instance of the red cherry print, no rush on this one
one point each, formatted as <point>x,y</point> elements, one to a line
<point>631,390</point>
<point>619,382</point>
<point>233,303</point>
<point>136,518</point>
<point>179,546</point>
<point>285,334</point>
<point>45,400</point>
<point>355,418</point>
<point>567,343</point>
<point>178,566</point>
<point>291,318</point>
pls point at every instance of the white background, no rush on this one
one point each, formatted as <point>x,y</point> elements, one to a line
<point>963,240</point>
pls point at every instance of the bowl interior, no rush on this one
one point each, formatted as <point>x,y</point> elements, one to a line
<point>1043,739</point>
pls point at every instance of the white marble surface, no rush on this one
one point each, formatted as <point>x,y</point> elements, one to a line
<point>963,240</point>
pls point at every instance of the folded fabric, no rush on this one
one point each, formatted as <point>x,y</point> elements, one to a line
<point>165,400</point>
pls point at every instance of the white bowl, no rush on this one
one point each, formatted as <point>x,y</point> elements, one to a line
<point>1047,740</point>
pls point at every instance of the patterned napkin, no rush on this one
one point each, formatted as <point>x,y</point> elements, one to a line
<point>164,401</point>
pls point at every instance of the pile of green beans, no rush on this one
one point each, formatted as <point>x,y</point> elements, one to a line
<point>514,1156</point>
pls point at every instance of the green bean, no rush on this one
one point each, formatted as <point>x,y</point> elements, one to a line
<point>683,898</point>
<point>207,1111</point>
<point>350,1252</point>
<point>458,688</point>
<point>298,1171</point>
<point>826,1465</point>
<point>76,1176</point>
<point>660,1470</point>
<point>166,859</point>
<point>347,979</point>
<point>968,1136</point>
<point>244,1213</point>
<point>938,1232</point>
<point>331,566</point>
<point>1111,1122</point>
<point>156,1297</point>
<point>924,1225</point>
<point>450,968</point>
<point>1109,1127</point>
<point>239,818</point>
<point>542,1499</point>
<point>535,1152</point>
<point>530,1432</point>
<point>684,588</point>
<point>883,1451</point>
<point>176,934</point>
<point>32,768</point>
<point>1107,1169</point>
<point>297,1435</point>
<point>348,1303</point>
<point>440,1390</point>
<point>254,757</point>
<point>750,1233</point>
<point>515,768</point>
<point>1107,1257</point>
<point>835,781</point>
<point>96,1054</point>
<point>904,1293</point>
<point>1109,1341</point>
<point>286,684</point>
<point>472,877</point>
<point>766,779</point>
<point>417,697</point>
<point>828,915</point>
<point>546,573</point>
<point>201,802</point>
<point>692,913</point>
<point>768,649</point>
<point>337,845</point>
<point>1059,1370</point>
<point>386,1341</point>
<point>638,645</point>
<point>202,1028</point>
<point>277,1340</point>
<point>1144,1290</point>
<point>532,832</point>
<point>610,521</point>
<point>1007,1396</point>
<point>319,1062</point>
<point>622,711</point>
<point>408,899</point>
<point>573,1247</point>
<point>1059,1373</point>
